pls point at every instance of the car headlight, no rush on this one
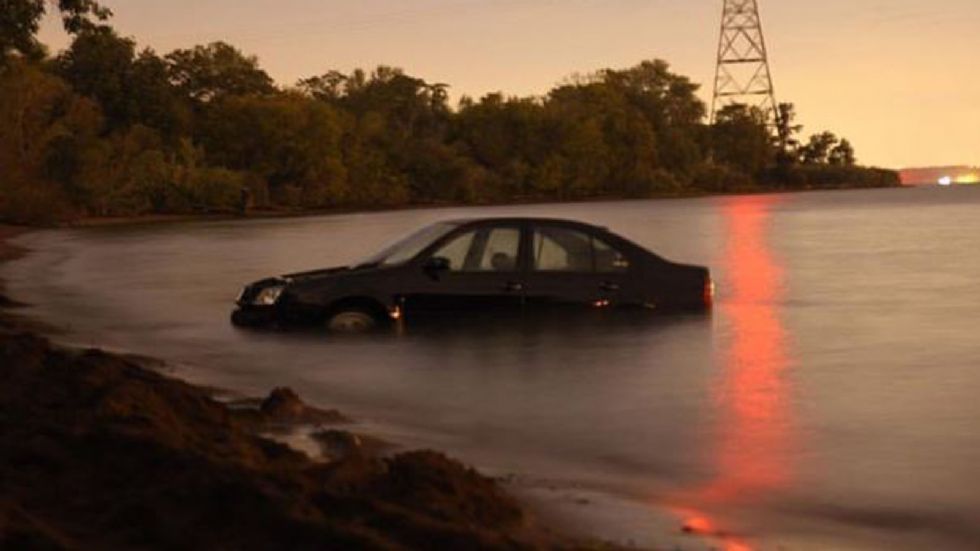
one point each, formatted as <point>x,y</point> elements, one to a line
<point>269,295</point>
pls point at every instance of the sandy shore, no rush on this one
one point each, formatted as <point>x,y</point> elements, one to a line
<point>103,451</point>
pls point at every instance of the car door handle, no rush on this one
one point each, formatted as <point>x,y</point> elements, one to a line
<point>513,287</point>
<point>609,286</point>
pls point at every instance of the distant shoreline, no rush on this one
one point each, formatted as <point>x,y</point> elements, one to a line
<point>283,213</point>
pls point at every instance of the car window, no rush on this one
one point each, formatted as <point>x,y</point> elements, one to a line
<point>499,252</point>
<point>608,259</point>
<point>457,250</point>
<point>562,250</point>
<point>483,250</point>
<point>406,249</point>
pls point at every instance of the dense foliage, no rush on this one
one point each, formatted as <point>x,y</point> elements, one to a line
<point>106,129</point>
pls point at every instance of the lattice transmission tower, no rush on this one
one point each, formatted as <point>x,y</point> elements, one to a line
<point>742,74</point>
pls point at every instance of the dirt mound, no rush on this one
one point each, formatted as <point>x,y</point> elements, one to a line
<point>97,452</point>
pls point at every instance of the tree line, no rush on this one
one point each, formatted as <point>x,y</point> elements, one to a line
<point>105,128</point>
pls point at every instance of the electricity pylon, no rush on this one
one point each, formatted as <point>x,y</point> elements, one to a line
<point>742,74</point>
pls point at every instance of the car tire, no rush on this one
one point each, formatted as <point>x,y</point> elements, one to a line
<point>351,320</point>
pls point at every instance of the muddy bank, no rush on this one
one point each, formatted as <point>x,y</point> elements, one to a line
<point>98,452</point>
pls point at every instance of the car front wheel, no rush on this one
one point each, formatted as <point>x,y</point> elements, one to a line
<point>351,321</point>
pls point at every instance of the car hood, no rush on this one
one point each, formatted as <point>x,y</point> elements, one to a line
<point>296,280</point>
<point>315,274</point>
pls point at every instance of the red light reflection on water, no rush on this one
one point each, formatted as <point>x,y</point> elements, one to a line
<point>751,457</point>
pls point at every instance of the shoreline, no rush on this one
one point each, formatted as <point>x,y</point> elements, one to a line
<point>285,458</point>
<point>8,253</point>
<point>286,213</point>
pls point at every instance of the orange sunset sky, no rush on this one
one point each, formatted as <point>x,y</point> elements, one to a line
<point>900,78</point>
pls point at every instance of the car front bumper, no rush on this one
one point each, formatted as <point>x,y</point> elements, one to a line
<point>254,316</point>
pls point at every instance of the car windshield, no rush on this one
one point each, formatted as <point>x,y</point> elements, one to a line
<point>405,249</point>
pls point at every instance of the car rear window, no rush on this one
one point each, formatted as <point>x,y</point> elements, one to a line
<point>559,249</point>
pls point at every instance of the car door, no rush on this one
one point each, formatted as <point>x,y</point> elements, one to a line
<point>473,272</point>
<point>617,277</point>
<point>570,268</point>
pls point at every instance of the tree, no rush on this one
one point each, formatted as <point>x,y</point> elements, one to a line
<point>124,131</point>
<point>505,136</point>
<point>817,150</point>
<point>374,178</point>
<point>207,73</point>
<point>398,135</point>
<point>330,86</point>
<point>842,154</point>
<point>158,104</point>
<point>740,139</point>
<point>121,174</point>
<point>20,20</point>
<point>291,141</point>
<point>99,65</point>
<point>599,137</point>
<point>669,102</point>
<point>130,89</point>
<point>40,118</point>
<point>132,173</point>
<point>409,105</point>
<point>787,144</point>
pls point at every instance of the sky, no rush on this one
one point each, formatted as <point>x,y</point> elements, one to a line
<point>899,78</point>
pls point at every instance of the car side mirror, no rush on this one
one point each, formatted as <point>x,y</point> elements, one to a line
<point>436,265</point>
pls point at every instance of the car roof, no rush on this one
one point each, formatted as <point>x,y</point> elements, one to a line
<point>602,231</point>
<point>520,220</point>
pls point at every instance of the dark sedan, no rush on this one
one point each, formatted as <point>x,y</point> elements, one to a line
<point>479,266</point>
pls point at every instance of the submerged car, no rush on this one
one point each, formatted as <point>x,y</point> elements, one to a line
<point>478,266</point>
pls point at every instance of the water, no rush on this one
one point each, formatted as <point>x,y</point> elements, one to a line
<point>829,401</point>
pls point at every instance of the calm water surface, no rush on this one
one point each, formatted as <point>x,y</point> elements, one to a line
<point>831,400</point>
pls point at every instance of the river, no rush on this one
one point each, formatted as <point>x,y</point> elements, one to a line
<point>830,401</point>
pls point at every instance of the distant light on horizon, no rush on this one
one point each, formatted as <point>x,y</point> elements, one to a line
<point>969,178</point>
